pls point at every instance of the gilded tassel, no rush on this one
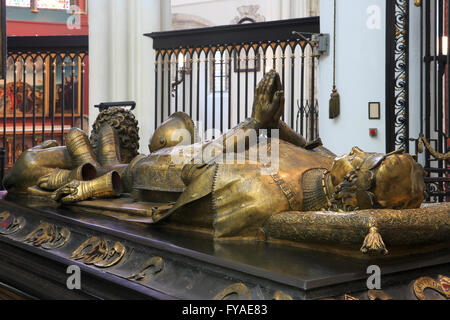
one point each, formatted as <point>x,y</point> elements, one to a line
<point>335,104</point>
<point>374,243</point>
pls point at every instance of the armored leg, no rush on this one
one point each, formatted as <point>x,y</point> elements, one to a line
<point>80,148</point>
<point>108,149</point>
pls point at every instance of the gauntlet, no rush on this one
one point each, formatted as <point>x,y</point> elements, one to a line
<point>59,177</point>
<point>107,186</point>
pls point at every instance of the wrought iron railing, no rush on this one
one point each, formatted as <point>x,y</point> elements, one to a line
<point>44,92</point>
<point>211,73</point>
<point>433,119</point>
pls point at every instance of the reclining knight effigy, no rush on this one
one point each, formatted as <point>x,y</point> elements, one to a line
<point>310,197</point>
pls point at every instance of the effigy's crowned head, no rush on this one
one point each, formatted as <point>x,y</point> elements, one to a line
<point>363,180</point>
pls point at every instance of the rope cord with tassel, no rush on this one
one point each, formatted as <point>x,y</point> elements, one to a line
<point>335,108</point>
<point>439,156</point>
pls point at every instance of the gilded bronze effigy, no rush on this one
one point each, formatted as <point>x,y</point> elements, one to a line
<point>304,194</point>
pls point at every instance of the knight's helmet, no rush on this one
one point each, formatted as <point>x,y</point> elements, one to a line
<point>177,130</point>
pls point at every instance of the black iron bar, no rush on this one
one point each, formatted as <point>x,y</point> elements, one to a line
<point>222,52</point>
<point>312,104</point>
<point>302,93</point>
<point>191,68</point>
<point>421,72</point>
<point>169,86</point>
<point>163,58</point>
<point>440,105</point>
<point>156,90</point>
<point>246,83</point>
<point>206,88</point>
<point>437,170</point>
<point>307,122</point>
<point>238,73</point>
<point>4,112</point>
<point>44,96</point>
<point>274,57</point>
<point>176,81</point>
<point>255,64</point>
<point>24,100</point>
<point>264,60</point>
<point>435,63</point>
<point>34,102</point>
<point>198,87</point>
<point>229,88</point>
<point>15,112</point>
<point>53,85</point>
<point>283,75</point>
<point>427,78</point>
<point>63,102</point>
<point>74,93</point>
<point>406,134</point>
<point>2,165</point>
<point>81,84</point>
<point>213,64</point>
<point>184,83</point>
<point>292,87</point>
<point>448,75</point>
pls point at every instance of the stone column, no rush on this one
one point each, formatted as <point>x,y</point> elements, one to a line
<point>121,58</point>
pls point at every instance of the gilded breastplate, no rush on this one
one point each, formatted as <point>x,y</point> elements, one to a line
<point>161,170</point>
